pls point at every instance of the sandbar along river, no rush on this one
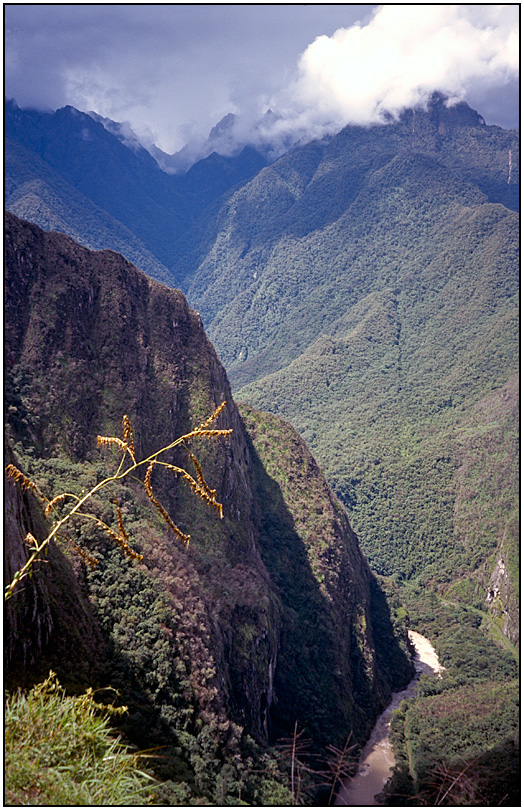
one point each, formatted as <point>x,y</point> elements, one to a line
<point>377,758</point>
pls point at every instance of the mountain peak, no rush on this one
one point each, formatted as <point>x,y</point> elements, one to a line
<point>443,112</point>
<point>224,125</point>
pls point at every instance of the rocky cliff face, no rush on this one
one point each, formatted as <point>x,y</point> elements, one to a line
<point>267,618</point>
<point>50,621</point>
<point>501,599</point>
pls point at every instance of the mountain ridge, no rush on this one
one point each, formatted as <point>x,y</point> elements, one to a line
<point>377,332</point>
<point>363,291</point>
<point>364,278</point>
<point>124,183</point>
<point>235,620</point>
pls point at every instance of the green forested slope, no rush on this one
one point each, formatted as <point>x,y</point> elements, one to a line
<point>274,245</point>
<point>383,397</point>
<point>366,290</point>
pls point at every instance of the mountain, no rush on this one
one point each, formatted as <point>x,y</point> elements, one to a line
<point>126,183</point>
<point>36,192</point>
<point>317,210</point>
<point>367,291</point>
<point>270,617</point>
<point>48,155</point>
<point>229,137</point>
<point>362,287</point>
<point>181,161</point>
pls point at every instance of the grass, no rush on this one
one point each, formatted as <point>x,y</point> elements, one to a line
<point>60,750</point>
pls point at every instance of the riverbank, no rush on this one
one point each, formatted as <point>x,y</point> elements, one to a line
<point>377,757</point>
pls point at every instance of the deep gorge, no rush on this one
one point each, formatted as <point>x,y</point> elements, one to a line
<point>270,613</point>
<point>362,293</point>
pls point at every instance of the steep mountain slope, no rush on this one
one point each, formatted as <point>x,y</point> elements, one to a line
<point>52,158</point>
<point>272,615</point>
<point>368,281</point>
<point>366,290</point>
<point>34,191</point>
<point>315,215</point>
<point>127,184</point>
<point>51,621</point>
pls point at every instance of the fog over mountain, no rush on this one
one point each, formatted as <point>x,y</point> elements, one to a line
<point>367,74</point>
<point>315,68</point>
<point>308,213</point>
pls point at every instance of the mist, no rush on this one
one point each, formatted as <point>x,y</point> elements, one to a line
<point>366,74</point>
<point>168,74</point>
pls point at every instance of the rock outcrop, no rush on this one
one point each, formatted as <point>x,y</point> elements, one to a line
<point>267,618</point>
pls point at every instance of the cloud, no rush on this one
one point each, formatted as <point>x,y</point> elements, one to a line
<point>172,71</point>
<point>365,73</point>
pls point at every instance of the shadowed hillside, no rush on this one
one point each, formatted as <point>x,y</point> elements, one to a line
<point>266,619</point>
<point>367,290</point>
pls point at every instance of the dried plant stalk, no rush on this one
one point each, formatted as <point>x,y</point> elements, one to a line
<point>58,499</point>
<point>149,489</point>
<point>128,436</point>
<point>120,537</point>
<point>24,482</point>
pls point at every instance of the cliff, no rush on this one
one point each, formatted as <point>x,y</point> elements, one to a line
<point>268,617</point>
<point>50,622</point>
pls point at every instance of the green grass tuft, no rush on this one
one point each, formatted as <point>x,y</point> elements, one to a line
<point>61,750</point>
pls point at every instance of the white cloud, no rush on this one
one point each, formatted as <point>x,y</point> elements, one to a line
<point>396,61</point>
<point>173,70</point>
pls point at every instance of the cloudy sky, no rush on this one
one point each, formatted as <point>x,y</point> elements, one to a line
<point>173,71</point>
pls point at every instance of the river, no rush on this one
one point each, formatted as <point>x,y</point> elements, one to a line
<point>377,760</point>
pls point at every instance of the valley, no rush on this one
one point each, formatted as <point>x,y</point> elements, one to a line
<point>377,759</point>
<point>356,304</point>
<point>216,649</point>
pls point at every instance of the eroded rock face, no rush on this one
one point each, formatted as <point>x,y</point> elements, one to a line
<point>501,600</point>
<point>269,613</point>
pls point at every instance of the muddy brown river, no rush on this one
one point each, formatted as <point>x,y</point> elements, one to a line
<point>377,758</point>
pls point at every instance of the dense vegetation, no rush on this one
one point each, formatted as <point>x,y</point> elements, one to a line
<point>157,655</point>
<point>303,535</point>
<point>457,742</point>
<point>366,289</point>
<point>210,647</point>
<point>374,304</point>
<point>363,287</point>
